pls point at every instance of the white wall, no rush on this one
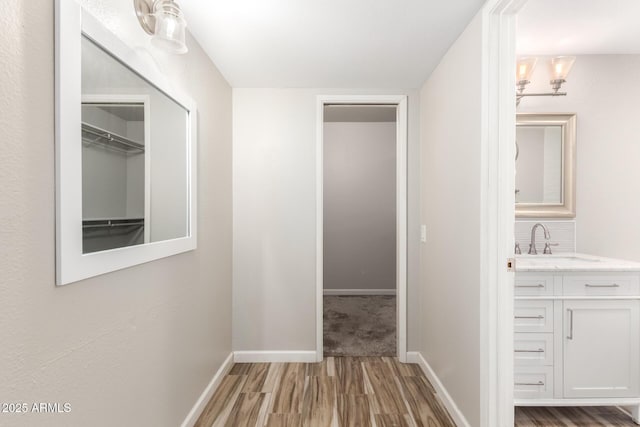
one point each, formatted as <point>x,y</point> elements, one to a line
<point>133,347</point>
<point>359,205</point>
<point>274,217</point>
<point>450,134</point>
<point>603,90</point>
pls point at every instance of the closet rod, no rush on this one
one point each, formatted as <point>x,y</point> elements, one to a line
<point>106,137</point>
<point>110,223</point>
<point>129,224</point>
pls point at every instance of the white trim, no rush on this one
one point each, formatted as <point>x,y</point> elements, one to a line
<point>623,401</point>
<point>206,395</point>
<point>71,264</point>
<point>319,227</point>
<point>455,413</point>
<point>498,214</point>
<point>413,357</point>
<point>347,292</point>
<point>285,356</point>
<point>401,209</point>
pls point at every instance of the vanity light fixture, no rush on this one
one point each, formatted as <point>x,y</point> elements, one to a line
<point>163,19</point>
<point>559,68</point>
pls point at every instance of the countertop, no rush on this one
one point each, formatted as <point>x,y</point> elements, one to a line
<point>572,262</point>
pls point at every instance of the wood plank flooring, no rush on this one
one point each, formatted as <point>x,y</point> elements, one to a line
<point>339,391</point>
<point>584,416</point>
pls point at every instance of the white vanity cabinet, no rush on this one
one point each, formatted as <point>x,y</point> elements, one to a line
<point>577,338</point>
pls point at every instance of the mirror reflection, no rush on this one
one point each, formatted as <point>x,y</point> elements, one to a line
<point>545,165</point>
<point>134,157</point>
<point>539,164</point>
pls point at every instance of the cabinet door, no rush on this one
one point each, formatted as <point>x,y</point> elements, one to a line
<point>601,348</point>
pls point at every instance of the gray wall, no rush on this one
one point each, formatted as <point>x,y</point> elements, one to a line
<point>359,205</point>
<point>450,291</point>
<point>274,216</point>
<point>607,149</point>
<point>137,346</point>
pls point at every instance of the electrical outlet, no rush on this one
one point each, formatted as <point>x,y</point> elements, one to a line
<point>423,233</point>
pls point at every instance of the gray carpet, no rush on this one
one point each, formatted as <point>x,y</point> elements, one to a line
<point>360,325</point>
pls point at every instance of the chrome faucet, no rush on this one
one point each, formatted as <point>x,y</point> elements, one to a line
<point>532,245</point>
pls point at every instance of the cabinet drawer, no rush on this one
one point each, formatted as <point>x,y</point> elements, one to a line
<point>533,382</point>
<point>601,284</point>
<point>533,316</point>
<point>533,349</point>
<point>533,285</point>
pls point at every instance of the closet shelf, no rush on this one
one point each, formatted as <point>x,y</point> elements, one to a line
<point>112,223</point>
<point>94,135</point>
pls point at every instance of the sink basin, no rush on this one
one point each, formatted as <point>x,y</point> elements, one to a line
<point>551,259</point>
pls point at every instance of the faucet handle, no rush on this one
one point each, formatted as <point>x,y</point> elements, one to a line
<point>517,250</point>
<point>547,247</point>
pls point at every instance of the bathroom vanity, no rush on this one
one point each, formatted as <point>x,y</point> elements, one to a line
<point>577,332</point>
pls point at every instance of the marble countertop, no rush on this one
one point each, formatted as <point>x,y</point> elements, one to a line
<point>572,262</point>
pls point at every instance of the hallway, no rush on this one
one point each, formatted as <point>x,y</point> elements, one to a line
<point>340,391</point>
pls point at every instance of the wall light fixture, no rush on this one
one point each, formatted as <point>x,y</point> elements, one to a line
<point>164,20</point>
<point>559,68</point>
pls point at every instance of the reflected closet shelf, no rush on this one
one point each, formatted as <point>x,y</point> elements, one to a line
<point>112,223</point>
<point>94,135</point>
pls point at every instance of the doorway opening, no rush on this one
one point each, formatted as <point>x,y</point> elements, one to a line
<point>361,226</point>
<point>359,213</point>
<point>594,374</point>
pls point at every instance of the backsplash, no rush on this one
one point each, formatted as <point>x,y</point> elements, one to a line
<point>562,232</point>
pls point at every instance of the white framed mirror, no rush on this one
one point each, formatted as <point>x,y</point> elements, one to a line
<point>545,165</point>
<point>125,154</point>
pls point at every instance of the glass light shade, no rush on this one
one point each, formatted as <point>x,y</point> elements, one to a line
<point>560,66</point>
<point>170,27</point>
<point>524,68</point>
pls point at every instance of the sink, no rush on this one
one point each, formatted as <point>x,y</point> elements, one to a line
<point>551,259</point>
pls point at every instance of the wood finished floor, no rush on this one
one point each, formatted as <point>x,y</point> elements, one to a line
<point>339,391</point>
<point>595,416</point>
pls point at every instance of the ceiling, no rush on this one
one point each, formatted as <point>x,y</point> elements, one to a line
<point>327,43</point>
<point>579,27</point>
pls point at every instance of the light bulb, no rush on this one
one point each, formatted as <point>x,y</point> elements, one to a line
<point>170,29</point>
<point>560,67</point>
<point>524,68</point>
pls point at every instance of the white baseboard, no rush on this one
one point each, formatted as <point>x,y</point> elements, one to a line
<point>343,292</point>
<point>274,356</point>
<point>454,411</point>
<point>197,409</point>
<point>413,357</point>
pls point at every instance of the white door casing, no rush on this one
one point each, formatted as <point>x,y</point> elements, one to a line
<point>401,210</point>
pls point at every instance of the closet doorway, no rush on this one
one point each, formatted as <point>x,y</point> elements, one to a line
<point>361,265</point>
